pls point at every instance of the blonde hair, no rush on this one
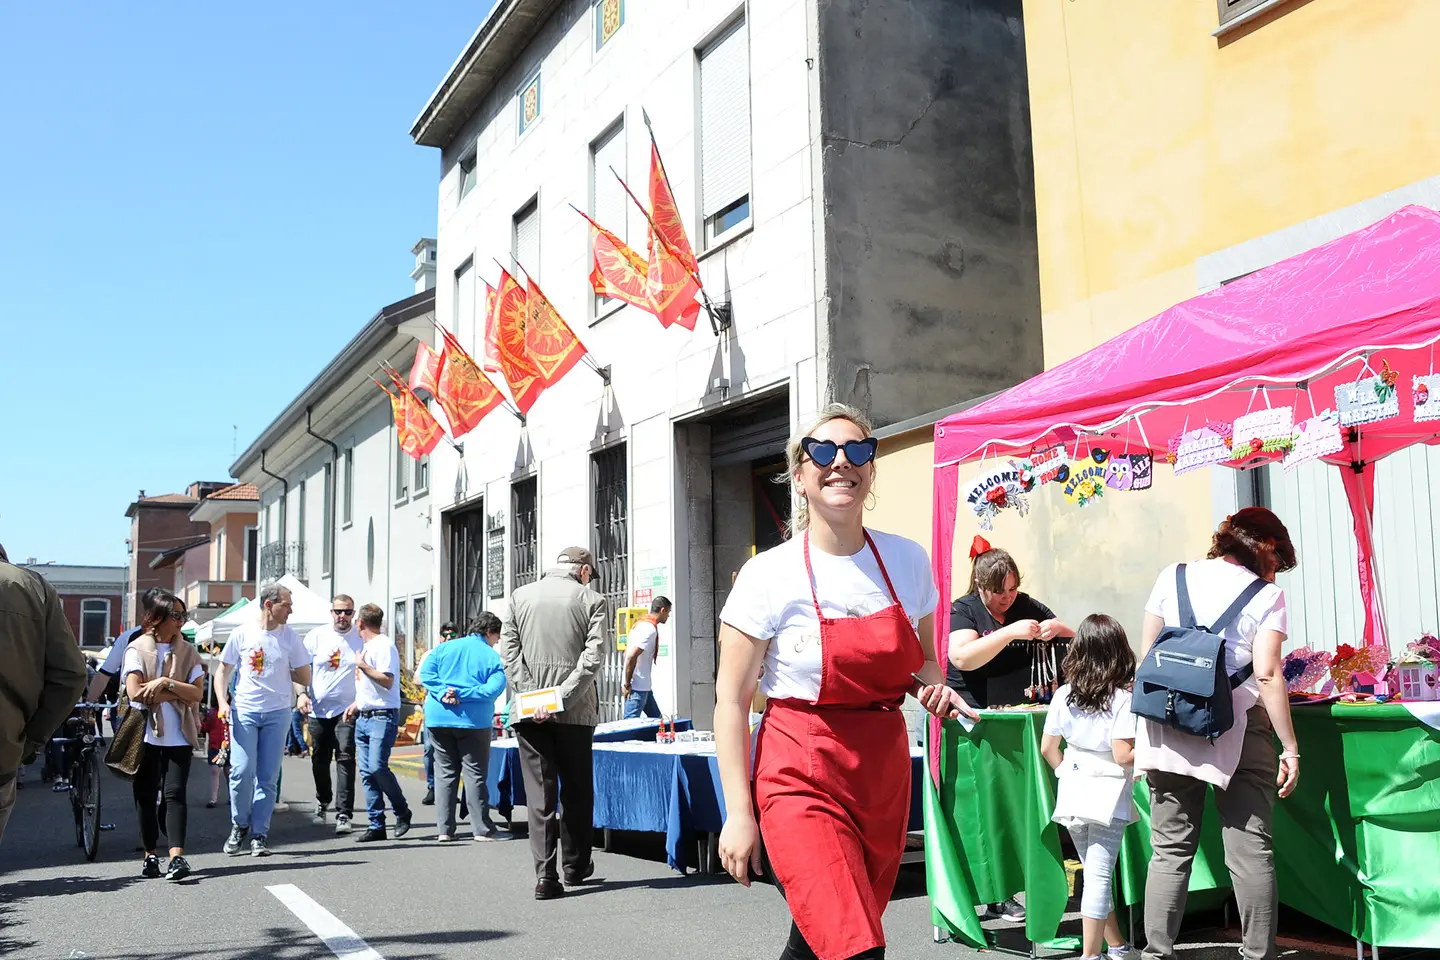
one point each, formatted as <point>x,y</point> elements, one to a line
<point>794,456</point>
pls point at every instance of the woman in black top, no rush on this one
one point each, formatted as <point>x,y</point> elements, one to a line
<point>990,656</point>
<point>990,628</point>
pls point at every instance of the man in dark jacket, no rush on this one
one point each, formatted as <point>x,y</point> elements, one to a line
<point>555,637</point>
<point>43,675</point>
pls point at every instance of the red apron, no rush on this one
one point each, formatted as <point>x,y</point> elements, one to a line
<point>832,779</point>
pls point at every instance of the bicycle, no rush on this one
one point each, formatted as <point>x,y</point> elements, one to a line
<point>82,728</point>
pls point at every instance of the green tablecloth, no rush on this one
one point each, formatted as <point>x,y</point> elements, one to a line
<point>1357,846</point>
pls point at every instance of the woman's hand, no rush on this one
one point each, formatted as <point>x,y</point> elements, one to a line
<point>1289,774</point>
<point>451,697</point>
<point>944,703</point>
<point>1024,630</point>
<point>151,690</point>
<point>1051,630</point>
<point>740,847</point>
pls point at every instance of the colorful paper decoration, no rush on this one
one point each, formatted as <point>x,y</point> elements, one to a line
<point>1048,463</point>
<point>1303,668</point>
<point>1142,471</point>
<point>1348,661</point>
<point>1315,438</point>
<point>1117,474</point>
<point>1131,472</point>
<point>1271,430</point>
<point>1367,401</point>
<point>1087,478</point>
<point>1200,448</point>
<point>1425,394</point>
<point>1000,489</point>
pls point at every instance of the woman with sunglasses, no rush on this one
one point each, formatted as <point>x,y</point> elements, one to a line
<point>840,618</point>
<point>162,673</point>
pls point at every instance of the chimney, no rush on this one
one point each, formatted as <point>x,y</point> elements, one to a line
<point>424,272</point>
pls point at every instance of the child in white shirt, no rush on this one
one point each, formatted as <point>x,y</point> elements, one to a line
<point>1091,715</point>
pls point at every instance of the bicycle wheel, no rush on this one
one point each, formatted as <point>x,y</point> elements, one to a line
<point>78,775</point>
<point>91,804</point>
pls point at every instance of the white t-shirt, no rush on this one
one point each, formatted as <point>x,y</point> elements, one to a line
<point>1090,731</point>
<point>169,715</point>
<point>1213,585</point>
<point>645,637</point>
<point>332,665</point>
<point>115,657</point>
<point>771,601</point>
<point>380,653</point>
<point>264,660</point>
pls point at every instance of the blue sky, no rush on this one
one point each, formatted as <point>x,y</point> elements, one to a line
<point>200,203</point>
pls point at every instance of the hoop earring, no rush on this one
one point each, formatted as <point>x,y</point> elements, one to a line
<point>870,499</point>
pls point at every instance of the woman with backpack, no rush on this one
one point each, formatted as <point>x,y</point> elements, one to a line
<point>1248,550</point>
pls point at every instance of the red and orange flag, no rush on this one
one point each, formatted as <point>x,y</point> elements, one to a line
<point>550,343</point>
<point>665,215</point>
<point>465,394</point>
<point>619,271</point>
<point>516,367</point>
<point>492,343</point>
<point>425,374</point>
<point>671,287</point>
<point>418,430</point>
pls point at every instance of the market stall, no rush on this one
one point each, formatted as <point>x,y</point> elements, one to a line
<point>1327,356</point>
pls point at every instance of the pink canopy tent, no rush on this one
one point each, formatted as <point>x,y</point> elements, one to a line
<point>1287,335</point>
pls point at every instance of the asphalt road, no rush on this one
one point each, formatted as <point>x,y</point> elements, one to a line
<point>409,898</point>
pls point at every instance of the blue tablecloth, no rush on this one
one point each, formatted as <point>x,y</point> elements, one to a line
<point>672,789</point>
<point>639,728</point>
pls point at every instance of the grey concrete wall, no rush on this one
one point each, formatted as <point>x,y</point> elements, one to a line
<point>931,263</point>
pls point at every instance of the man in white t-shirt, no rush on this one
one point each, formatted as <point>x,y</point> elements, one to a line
<point>333,652</point>
<point>376,712</point>
<point>642,646</point>
<point>268,657</point>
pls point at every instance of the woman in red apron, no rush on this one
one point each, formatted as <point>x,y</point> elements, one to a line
<point>840,620</point>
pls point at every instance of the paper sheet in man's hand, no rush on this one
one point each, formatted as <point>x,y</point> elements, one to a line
<point>549,698</point>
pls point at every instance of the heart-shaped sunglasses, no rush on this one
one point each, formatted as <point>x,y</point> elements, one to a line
<point>823,452</point>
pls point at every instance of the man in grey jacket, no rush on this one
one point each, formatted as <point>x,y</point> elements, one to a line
<point>555,637</point>
<point>43,673</point>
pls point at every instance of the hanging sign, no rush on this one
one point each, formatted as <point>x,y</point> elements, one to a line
<point>1000,489</point>
<point>1368,401</point>
<point>1315,438</point>
<point>1271,430</point>
<point>1133,472</point>
<point>1200,448</point>
<point>1051,464</point>
<point>1087,478</point>
<point>1425,393</point>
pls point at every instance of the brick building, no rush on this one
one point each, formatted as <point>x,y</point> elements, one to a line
<point>158,524</point>
<point>93,598</point>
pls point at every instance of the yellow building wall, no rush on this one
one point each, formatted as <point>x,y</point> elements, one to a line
<point>1157,144</point>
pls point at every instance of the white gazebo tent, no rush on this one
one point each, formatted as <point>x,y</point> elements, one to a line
<point>309,610</point>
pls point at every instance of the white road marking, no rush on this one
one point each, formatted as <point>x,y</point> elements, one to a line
<point>342,941</point>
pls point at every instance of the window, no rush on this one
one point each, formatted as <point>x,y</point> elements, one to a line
<point>610,542</point>
<point>218,567</point>
<point>420,623</point>
<point>422,475</point>
<point>608,203</point>
<point>463,323</point>
<point>402,471</point>
<point>398,632</point>
<point>527,105</point>
<point>1231,9</point>
<point>327,517</point>
<point>525,533</point>
<point>252,552</point>
<point>609,18</point>
<point>94,622</point>
<point>467,181</point>
<point>725,132</point>
<point>525,238</point>
<point>348,502</point>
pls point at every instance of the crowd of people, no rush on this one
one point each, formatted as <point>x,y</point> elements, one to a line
<point>835,627</point>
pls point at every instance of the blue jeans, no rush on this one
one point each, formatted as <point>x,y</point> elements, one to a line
<point>641,703</point>
<point>374,737</point>
<point>295,738</point>
<point>257,741</point>
<point>429,761</point>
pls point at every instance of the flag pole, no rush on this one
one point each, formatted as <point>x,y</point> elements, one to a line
<point>510,408</point>
<point>716,323</point>
<point>589,360</point>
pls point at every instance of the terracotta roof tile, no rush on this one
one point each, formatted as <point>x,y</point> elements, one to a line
<point>239,491</point>
<point>170,498</point>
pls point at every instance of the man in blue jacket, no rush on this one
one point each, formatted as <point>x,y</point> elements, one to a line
<point>462,678</point>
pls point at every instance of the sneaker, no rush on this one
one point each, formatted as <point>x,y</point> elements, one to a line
<point>342,824</point>
<point>549,889</point>
<point>237,839</point>
<point>1010,911</point>
<point>402,826</point>
<point>259,848</point>
<point>282,807</point>
<point>209,804</point>
<point>320,816</point>
<point>446,838</point>
<point>371,835</point>
<point>429,800</point>
<point>151,869</point>
<point>179,869</point>
<point>1122,952</point>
